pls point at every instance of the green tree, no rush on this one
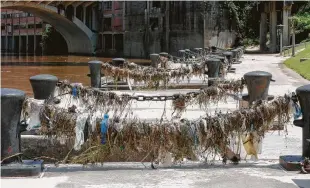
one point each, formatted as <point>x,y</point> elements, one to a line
<point>53,43</point>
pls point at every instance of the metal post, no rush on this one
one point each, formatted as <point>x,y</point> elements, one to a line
<point>11,107</point>
<point>303,94</point>
<point>95,73</point>
<point>43,86</point>
<point>182,54</point>
<point>234,55</point>
<point>163,59</point>
<point>293,43</point>
<point>228,55</point>
<point>258,85</point>
<point>154,60</point>
<point>281,42</point>
<point>11,163</point>
<point>213,69</point>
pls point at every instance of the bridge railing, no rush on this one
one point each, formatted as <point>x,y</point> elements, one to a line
<point>288,50</point>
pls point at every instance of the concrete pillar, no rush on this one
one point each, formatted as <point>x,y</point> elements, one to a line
<point>113,41</point>
<point>167,27</point>
<point>6,42</point>
<point>124,17</point>
<point>44,29</point>
<point>12,25</point>
<point>34,36</point>
<point>263,31</point>
<point>19,37</point>
<point>195,21</point>
<point>188,15</point>
<point>27,38</point>
<point>93,18</point>
<point>6,33</point>
<point>103,42</point>
<point>74,11</point>
<point>273,27</point>
<point>90,18</point>
<point>112,18</point>
<point>286,31</point>
<point>84,15</point>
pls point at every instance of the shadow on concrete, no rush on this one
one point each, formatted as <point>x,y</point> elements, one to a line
<point>147,166</point>
<point>302,183</point>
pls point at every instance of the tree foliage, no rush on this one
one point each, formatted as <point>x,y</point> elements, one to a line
<point>301,20</point>
<point>53,43</point>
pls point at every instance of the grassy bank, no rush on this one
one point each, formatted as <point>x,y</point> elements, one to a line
<point>302,68</point>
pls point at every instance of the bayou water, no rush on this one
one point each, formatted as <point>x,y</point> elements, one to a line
<point>16,70</point>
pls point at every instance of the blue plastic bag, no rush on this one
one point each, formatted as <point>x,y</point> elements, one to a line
<point>74,91</point>
<point>297,111</point>
<point>104,128</point>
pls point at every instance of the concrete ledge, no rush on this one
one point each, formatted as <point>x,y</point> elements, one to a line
<point>52,150</point>
<point>24,169</point>
<point>36,146</point>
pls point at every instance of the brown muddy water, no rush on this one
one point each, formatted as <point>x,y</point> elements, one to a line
<point>16,70</point>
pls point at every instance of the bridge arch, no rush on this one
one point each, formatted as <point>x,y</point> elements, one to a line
<point>79,38</point>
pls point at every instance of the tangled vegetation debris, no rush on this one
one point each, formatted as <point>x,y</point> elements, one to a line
<point>184,138</point>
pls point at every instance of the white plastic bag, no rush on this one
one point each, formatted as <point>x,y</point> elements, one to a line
<point>79,130</point>
<point>34,118</point>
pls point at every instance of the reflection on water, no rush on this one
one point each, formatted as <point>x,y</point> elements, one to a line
<point>56,59</point>
<point>18,76</point>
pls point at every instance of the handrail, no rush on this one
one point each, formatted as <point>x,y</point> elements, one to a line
<point>287,48</point>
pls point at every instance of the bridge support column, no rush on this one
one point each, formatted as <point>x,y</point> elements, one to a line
<point>263,31</point>
<point>19,37</point>
<point>84,15</point>
<point>273,27</point>
<point>6,42</point>
<point>27,39</point>
<point>6,33</point>
<point>93,18</point>
<point>34,36</point>
<point>286,33</point>
<point>13,41</point>
<point>74,11</point>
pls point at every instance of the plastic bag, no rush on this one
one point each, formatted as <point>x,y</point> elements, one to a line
<point>34,118</point>
<point>249,144</point>
<point>104,128</point>
<point>79,131</point>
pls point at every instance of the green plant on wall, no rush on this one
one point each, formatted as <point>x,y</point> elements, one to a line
<point>52,42</point>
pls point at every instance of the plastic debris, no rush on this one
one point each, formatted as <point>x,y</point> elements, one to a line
<point>74,91</point>
<point>79,131</point>
<point>104,128</point>
<point>34,118</point>
<point>297,111</point>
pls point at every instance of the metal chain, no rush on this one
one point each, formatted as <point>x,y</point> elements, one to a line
<point>161,97</point>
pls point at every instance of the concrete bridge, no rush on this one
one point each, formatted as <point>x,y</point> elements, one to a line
<point>76,21</point>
